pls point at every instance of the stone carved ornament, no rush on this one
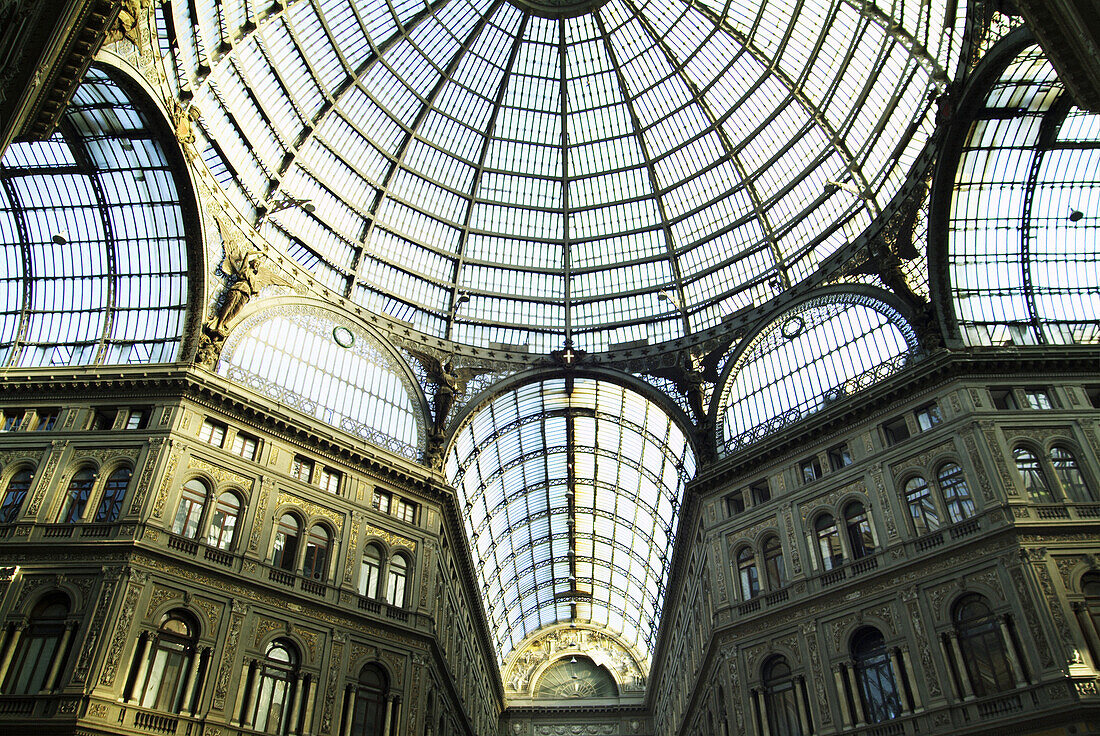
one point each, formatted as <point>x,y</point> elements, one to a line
<point>602,648</point>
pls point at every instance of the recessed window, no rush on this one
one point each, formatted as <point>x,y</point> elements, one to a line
<point>1004,399</point>
<point>47,419</point>
<point>1093,392</point>
<point>839,457</point>
<point>212,432</point>
<point>103,419</point>
<point>245,445</point>
<point>809,469</point>
<point>12,418</point>
<point>895,431</point>
<point>760,492</point>
<point>1038,398</point>
<point>301,468</point>
<point>405,510</point>
<point>138,419</point>
<point>381,501</point>
<point>928,416</point>
<point>330,480</point>
<point>735,503</point>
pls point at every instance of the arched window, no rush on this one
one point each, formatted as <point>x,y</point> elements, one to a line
<point>42,649</point>
<point>922,508</point>
<point>114,491</point>
<point>1090,588</point>
<point>982,646</point>
<point>370,702</point>
<point>370,572</point>
<point>315,562</point>
<point>1069,475</point>
<point>877,687</point>
<point>285,549</point>
<point>189,512</point>
<point>16,493</point>
<point>780,699</point>
<point>169,664</point>
<point>828,542</point>
<point>396,577</point>
<point>223,523</point>
<point>956,493</point>
<point>80,488</point>
<point>747,573</point>
<point>861,540</point>
<point>273,696</point>
<point>1035,482</point>
<point>774,571</point>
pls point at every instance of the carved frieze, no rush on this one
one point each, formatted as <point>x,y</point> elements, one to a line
<point>332,688</point>
<point>146,477</point>
<point>830,499</point>
<point>312,509</point>
<point>353,550</point>
<point>42,481</point>
<point>389,538</point>
<point>122,630</point>
<point>267,487</point>
<point>1031,619</point>
<point>219,474</point>
<point>165,484</point>
<point>229,655</point>
<point>921,462</point>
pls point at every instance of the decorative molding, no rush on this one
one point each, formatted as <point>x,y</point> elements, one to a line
<point>312,509</point>
<point>267,488</point>
<point>151,459</point>
<point>389,538</point>
<point>42,481</point>
<point>353,550</point>
<point>122,630</point>
<point>165,483</point>
<point>229,655</point>
<point>334,669</point>
<point>95,631</point>
<point>220,474</point>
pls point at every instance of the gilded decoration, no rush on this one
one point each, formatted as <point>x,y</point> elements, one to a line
<point>353,548</point>
<point>30,584</point>
<point>810,636</point>
<point>361,653</point>
<point>159,597</point>
<point>267,487</point>
<point>212,609</point>
<point>8,456</point>
<point>526,661</point>
<point>921,462</point>
<point>752,534</point>
<point>146,478</point>
<point>104,455</point>
<point>389,538</point>
<point>989,431</point>
<point>332,689</point>
<point>577,729</point>
<point>312,509</point>
<point>396,664</point>
<point>95,631</point>
<point>1046,584</point>
<point>264,627</point>
<point>166,482</point>
<point>122,631</point>
<point>427,566</point>
<point>42,482</point>
<point>229,655</point>
<point>220,474</point>
<point>912,604</point>
<point>792,543</point>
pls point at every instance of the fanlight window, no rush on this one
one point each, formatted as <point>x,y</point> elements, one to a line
<point>575,677</point>
<point>93,256</point>
<point>818,352</point>
<point>313,361</point>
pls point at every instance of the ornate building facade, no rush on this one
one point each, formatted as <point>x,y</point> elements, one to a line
<point>527,368</point>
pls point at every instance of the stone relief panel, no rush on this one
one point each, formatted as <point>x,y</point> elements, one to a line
<point>601,647</point>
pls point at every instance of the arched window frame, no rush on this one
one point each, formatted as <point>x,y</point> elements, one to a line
<point>782,711</point>
<point>986,662</point>
<point>370,695</point>
<point>193,500</point>
<point>40,651</point>
<point>15,492</point>
<point>827,541</point>
<point>924,511</point>
<point>879,692</point>
<point>112,494</point>
<point>285,545</point>
<point>748,573</point>
<point>225,520</point>
<point>955,491</point>
<point>1069,474</point>
<point>370,570</point>
<point>860,531</point>
<point>397,579</point>
<point>317,552</point>
<point>775,571</point>
<point>165,671</point>
<point>79,488</point>
<point>277,678</point>
<point>1035,479</point>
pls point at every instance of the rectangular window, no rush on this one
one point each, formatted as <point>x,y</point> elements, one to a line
<point>212,432</point>
<point>12,418</point>
<point>47,419</point>
<point>928,417</point>
<point>1003,399</point>
<point>735,503</point>
<point>138,419</point>
<point>406,511</point>
<point>245,445</point>
<point>839,457</point>
<point>103,419</point>
<point>895,431</point>
<point>301,468</point>
<point>810,469</point>
<point>381,501</point>
<point>330,480</point>
<point>760,492</point>
<point>1038,398</point>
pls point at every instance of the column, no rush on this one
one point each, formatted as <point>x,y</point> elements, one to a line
<point>396,716</point>
<point>143,668</point>
<point>899,681</point>
<point>6,661</point>
<point>191,684</point>
<point>761,712</point>
<point>349,711</point>
<point>235,718</point>
<point>296,703</point>
<point>960,665</point>
<point>1010,651</point>
<point>907,665</point>
<point>58,657</point>
<point>1084,620</point>
<point>307,719</point>
<point>253,694</point>
<point>861,717</point>
<point>800,693</point>
<point>845,713</point>
<point>389,714</point>
<point>140,652</point>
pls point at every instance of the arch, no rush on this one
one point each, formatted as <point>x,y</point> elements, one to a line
<point>397,579</point>
<point>775,570</point>
<point>42,650</point>
<point>860,529</point>
<point>955,491</point>
<point>1070,476</point>
<point>286,539</point>
<point>104,224</point>
<point>17,483</point>
<point>921,503</point>
<point>113,493</point>
<point>370,570</point>
<point>194,494</point>
<point>271,710</point>
<point>1030,469</point>
<point>164,677</point>
<point>318,549</point>
<point>830,552</point>
<point>357,384</point>
<point>779,375</point>
<point>574,676</point>
<point>225,519</point>
<point>878,690</point>
<point>780,697</point>
<point>371,688</point>
<point>982,645</point>
<point>748,574</point>
<point>78,491</point>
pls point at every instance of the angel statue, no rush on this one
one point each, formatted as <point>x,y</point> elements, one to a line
<point>247,285</point>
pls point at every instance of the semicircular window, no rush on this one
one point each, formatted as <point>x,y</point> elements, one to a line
<point>576,677</point>
<point>320,364</point>
<point>819,351</point>
<point>94,264</point>
<point>570,493</point>
<point>1025,218</point>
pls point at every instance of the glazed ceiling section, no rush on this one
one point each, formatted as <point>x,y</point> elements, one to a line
<point>570,500</point>
<point>563,172</point>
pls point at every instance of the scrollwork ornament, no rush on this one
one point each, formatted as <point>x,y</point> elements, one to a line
<point>225,669</point>
<point>389,538</point>
<point>122,630</point>
<point>165,483</point>
<point>42,483</point>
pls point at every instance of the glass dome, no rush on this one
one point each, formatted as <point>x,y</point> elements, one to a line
<point>529,171</point>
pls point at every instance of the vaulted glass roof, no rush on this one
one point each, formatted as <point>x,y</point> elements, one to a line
<point>608,171</point>
<point>570,491</point>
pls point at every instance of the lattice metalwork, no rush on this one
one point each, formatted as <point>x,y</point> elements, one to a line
<point>570,490</point>
<point>94,260</point>
<point>323,365</point>
<point>820,351</point>
<point>496,175</point>
<point>1025,217</point>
